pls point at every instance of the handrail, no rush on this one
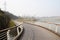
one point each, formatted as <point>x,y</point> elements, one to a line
<point>6,30</point>
<point>9,28</point>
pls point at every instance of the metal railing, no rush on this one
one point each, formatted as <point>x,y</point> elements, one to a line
<point>6,33</point>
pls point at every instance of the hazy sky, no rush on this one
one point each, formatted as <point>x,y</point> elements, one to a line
<point>38,8</point>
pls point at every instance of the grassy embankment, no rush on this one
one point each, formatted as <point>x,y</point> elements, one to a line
<point>5,21</point>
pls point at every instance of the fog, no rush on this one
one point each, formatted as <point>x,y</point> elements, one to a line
<point>36,8</point>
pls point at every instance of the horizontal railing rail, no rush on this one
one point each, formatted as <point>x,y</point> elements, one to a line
<point>3,35</point>
<point>9,28</point>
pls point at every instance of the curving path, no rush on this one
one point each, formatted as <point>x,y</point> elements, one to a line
<point>32,32</point>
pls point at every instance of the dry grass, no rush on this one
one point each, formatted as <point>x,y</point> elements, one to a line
<point>25,20</point>
<point>11,24</point>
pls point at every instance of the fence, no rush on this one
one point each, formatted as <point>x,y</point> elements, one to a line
<point>11,33</point>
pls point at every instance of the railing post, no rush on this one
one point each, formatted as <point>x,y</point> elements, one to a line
<point>8,36</point>
<point>56,29</point>
<point>18,30</point>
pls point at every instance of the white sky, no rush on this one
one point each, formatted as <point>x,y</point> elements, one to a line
<point>37,8</point>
